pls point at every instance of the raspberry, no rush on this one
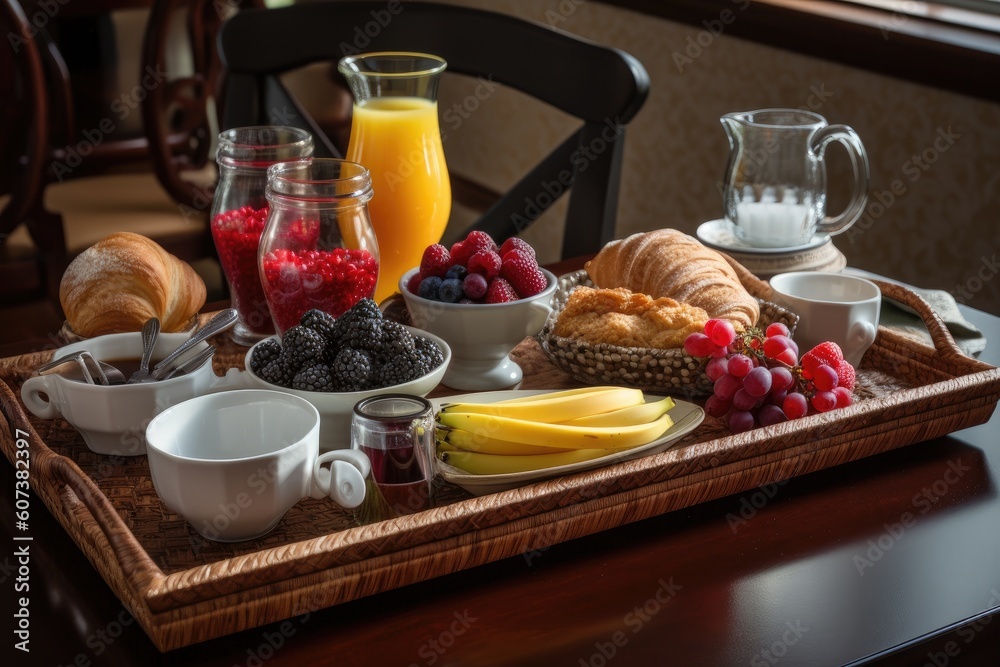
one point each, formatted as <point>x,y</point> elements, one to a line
<point>475,286</point>
<point>462,251</point>
<point>485,262</point>
<point>451,290</point>
<point>845,371</point>
<point>435,261</point>
<point>522,272</point>
<point>518,244</point>
<point>413,284</point>
<point>828,353</point>
<point>500,291</point>
<point>429,287</point>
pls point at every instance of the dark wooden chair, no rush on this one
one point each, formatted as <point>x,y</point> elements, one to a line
<point>602,87</point>
<point>77,164</point>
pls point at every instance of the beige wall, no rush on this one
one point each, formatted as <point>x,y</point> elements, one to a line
<point>942,232</point>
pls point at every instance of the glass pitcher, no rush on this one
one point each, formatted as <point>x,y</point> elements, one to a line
<point>774,191</point>
<point>395,134</point>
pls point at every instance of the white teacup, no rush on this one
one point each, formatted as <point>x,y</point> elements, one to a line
<point>113,419</point>
<point>831,307</point>
<point>232,464</point>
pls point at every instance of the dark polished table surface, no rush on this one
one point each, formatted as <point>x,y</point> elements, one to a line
<point>890,560</point>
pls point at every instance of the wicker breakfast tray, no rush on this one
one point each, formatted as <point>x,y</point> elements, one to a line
<point>185,590</point>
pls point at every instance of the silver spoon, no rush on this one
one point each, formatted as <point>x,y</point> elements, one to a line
<point>150,330</point>
<point>189,365</point>
<point>92,370</point>
<point>222,321</point>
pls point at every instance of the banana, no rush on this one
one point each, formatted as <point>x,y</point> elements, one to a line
<point>493,464</point>
<point>634,414</point>
<point>472,442</point>
<point>556,435</point>
<point>580,391</point>
<point>549,408</point>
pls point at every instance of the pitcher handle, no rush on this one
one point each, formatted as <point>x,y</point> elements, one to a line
<point>862,174</point>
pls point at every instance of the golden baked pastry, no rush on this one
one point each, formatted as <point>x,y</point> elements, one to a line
<point>123,280</point>
<point>628,319</point>
<point>669,263</point>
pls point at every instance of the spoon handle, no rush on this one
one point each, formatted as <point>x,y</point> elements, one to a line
<point>150,330</point>
<point>222,321</point>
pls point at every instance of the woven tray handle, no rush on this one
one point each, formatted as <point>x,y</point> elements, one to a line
<point>944,342</point>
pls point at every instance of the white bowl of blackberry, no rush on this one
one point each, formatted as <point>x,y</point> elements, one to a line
<point>335,362</point>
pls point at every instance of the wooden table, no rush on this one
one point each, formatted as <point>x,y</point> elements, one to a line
<point>893,560</point>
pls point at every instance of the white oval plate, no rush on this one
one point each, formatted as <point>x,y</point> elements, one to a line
<point>686,417</point>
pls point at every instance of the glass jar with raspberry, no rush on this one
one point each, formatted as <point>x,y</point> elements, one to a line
<point>318,249</point>
<point>240,210</point>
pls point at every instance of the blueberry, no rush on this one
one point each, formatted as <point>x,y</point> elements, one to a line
<point>429,287</point>
<point>458,272</point>
<point>451,290</point>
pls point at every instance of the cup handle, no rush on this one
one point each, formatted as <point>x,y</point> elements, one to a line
<point>862,174</point>
<point>344,482</point>
<point>31,392</point>
<point>862,334</point>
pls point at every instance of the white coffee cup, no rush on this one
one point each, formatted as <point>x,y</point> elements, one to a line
<point>113,419</point>
<point>232,464</point>
<point>831,307</point>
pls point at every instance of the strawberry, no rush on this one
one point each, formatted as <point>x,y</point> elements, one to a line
<point>515,243</point>
<point>522,272</point>
<point>462,251</point>
<point>485,262</point>
<point>845,371</point>
<point>435,261</point>
<point>500,291</point>
<point>828,353</point>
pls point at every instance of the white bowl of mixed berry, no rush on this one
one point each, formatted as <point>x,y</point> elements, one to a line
<point>335,362</point>
<point>482,299</point>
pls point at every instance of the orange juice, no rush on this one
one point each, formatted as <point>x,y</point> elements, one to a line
<point>399,141</point>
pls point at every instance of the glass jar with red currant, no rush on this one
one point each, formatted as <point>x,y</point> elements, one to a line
<point>240,210</point>
<point>318,249</point>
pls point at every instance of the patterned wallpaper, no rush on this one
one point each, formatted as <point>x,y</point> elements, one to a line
<point>938,150</point>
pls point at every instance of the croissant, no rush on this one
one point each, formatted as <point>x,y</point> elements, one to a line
<point>123,280</point>
<point>669,263</point>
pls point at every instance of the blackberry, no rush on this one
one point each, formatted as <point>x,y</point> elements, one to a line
<point>352,370</point>
<point>265,352</point>
<point>397,370</point>
<point>362,334</point>
<point>299,345</point>
<point>430,351</point>
<point>314,377</point>
<point>395,340</point>
<point>320,321</point>
<point>276,372</point>
<point>365,309</point>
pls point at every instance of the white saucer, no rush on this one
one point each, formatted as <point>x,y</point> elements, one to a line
<point>719,234</point>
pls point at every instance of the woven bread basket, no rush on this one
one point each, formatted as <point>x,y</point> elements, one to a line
<point>671,371</point>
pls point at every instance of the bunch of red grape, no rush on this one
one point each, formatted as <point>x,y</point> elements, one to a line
<point>759,379</point>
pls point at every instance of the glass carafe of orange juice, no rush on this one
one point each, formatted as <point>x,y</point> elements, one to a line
<point>395,134</point>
